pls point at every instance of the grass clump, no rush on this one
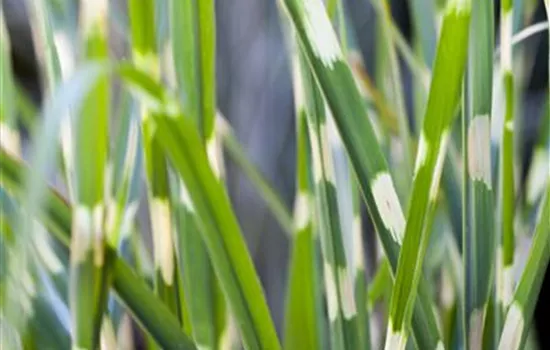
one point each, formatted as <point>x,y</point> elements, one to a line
<point>78,268</point>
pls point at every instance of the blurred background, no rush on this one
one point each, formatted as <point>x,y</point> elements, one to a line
<point>255,95</point>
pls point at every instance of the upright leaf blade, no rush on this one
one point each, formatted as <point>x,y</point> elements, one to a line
<point>145,56</point>
<point>342,311</point>
<point>89,269</point>
<point>479,238</point>
<point>193,46</point>
<point>522,307</point>
<point>220,230</point>
<point>442,102</point>
<point>506,170</point>
<point>301,317</point>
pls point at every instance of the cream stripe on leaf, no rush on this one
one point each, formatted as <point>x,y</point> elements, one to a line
<point>440,113</point>
<point>346,104</point>
<point>479,236</point>
<point>342,310</point>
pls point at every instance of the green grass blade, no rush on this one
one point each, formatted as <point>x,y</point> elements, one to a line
<point>442,102</point>
<point>349,201</point>
<point>207,45</point>
<point>144,50</point>
<point>56,215</point>
<point>340,300</point>
<point>220,230</point>
<point>87,288</point>
<point>522,307</point>
<point>301,317</point>
<point>420,65</point>
<point>381,283</point>
<point>193,46</point>
<point>321,48</point>
<point>506,171</point>
<point>420,69</point>
<point>479,238</point>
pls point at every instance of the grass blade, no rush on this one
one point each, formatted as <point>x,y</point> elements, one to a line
<point>522,307</point>
<point>193,46</point>
<point>144,49</point>
<point>506,171</point>
<point>442,102</point>
<point>220,231</point>
<point>340,300</point>
<point>324,56</point>
<point>301,317</point>
<point>89,270</point>
<point>479,239</point>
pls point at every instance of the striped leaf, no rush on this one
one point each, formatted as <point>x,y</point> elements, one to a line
<point>301,316</point>
<point>506,180</point>
<point>479,238</point>
<point>440,112</point>
<point>340,300</point>
<point>145,56</point>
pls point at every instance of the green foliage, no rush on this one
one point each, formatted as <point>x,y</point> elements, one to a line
<point>75,256</point>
